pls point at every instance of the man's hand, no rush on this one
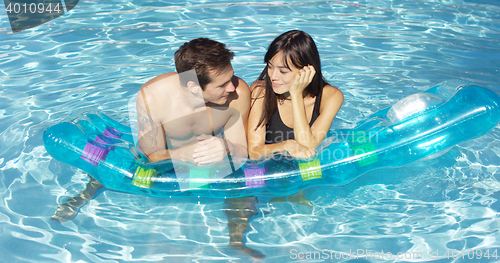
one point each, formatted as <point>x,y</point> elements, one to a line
<point>208,149</point>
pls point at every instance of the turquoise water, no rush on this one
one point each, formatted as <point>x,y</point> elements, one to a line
<point>376,52</point>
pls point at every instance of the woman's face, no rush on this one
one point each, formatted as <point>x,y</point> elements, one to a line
<point>281,76</point>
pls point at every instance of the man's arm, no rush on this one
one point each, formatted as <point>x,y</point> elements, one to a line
<point>241,100</point>
<point>212,149</point>
<point>235,129</point>
<point>150,132</point>
<point>235,136</point>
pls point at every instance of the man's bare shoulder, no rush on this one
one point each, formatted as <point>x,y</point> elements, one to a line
<point>159,79</point>
<point>242,88</point>
<point>240,98</point>
<point>241,93</point>
<point>151,96</point>
<point>156,86</point>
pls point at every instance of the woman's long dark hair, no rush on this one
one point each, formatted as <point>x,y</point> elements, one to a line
<point>299,48</point>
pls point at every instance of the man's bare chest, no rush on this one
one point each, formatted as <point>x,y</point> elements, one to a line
<point>186,124</point>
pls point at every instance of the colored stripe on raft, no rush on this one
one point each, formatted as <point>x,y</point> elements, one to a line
<point>142,177</point>
<point>112,132</point>
<point>310,170</point>
<point>198,177</point>
<point>94,152</point>
<point>362,145</point>
<point>253,176</point>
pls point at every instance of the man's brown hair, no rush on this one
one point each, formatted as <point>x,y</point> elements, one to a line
<point>204,56</point>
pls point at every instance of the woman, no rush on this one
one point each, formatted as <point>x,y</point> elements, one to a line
<point>293,106</point>
<point>292,110</point>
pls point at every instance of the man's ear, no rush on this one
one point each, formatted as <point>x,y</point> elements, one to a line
<point>193,87</point>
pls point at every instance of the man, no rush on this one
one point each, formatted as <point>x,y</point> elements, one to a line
<point>199,115</point>
<point>196,115</point>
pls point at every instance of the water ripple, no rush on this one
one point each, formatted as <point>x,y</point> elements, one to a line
<point>376,52</point>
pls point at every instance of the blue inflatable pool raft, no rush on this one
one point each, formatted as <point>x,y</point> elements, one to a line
<point>419,126</point>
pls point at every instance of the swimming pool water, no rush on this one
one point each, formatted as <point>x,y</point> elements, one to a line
<point>377,52</point>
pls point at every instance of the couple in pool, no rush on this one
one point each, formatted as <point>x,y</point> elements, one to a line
<point>203,114</point>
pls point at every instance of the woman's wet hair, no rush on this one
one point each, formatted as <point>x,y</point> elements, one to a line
<point>207,57</point>
<point>299,50</point>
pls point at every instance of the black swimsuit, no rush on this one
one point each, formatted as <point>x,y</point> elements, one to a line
<point>277,131</point>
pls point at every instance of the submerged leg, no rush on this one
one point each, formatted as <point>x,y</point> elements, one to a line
<point>298,198</point>
<point>239,211</point>
<point>279,199</point>
<point>70,208</point>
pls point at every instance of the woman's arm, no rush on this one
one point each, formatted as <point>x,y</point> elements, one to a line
<point>331,102</point>
<point>257,147</point>
<point>312,136</point>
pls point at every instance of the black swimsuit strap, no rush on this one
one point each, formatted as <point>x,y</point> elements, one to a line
<point>277,131</point>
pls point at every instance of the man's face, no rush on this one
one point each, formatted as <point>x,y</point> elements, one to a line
<point>220,87</point>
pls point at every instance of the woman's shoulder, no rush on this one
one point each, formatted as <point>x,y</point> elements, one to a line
<point>331,96</point>
<point>330,91</point>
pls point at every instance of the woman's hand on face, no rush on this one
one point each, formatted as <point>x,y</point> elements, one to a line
<point>298,150</point>
<point>303,78</point>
